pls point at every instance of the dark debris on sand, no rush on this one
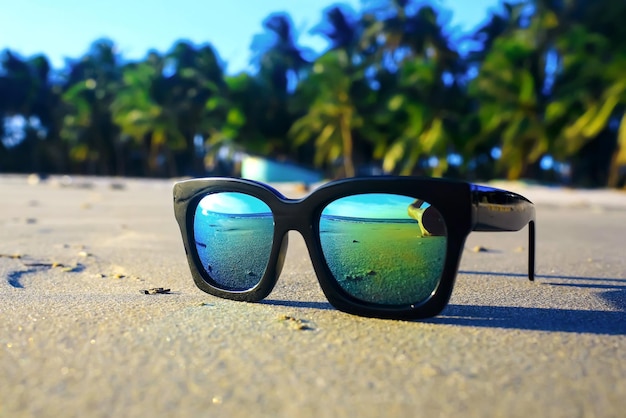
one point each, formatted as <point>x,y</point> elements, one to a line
<point>155,291</point>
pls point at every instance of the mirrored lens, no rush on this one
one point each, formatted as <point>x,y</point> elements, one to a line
<point>233,234</point>
<point>384,248</point>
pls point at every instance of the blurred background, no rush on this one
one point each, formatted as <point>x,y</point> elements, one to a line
<point>480,89</point>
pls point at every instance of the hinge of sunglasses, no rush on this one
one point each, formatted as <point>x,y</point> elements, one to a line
<point>501,210</point>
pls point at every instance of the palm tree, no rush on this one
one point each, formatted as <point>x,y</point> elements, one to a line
<point>15,102</point>
<point>88,128</point>
<point>343,29</point>
<point>512,103</point>
<point>244,108</point>
<point>140,111</point>
<point>197,79</point>
<point>405,29</point>
<point>28,96</point>
<point>498,25</point>
<point>281,63</point>
<point>335,93</point>
<point>332,115</point>
<point>425,119</point>
<point>277,56</point>
<point>420,67</point>
<point>514,84</point>
<point>551,81</point>
<point>167,104</point>
<point>589,93</point>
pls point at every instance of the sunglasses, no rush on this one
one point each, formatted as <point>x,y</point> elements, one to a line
<point>386,247</point>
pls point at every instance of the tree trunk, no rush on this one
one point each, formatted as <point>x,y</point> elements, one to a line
<point>613,170</point>
<point>346,136</point>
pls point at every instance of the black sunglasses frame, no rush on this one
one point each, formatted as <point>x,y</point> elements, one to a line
<point>465,207</point>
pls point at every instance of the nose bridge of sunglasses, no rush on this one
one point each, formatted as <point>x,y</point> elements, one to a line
<point>292,215</point>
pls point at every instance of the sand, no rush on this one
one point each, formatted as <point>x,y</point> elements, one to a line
<point>383,262</point>
<point>78,337</point>
<point>234,251</point>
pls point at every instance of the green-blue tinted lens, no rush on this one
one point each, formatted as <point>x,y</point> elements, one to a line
<point>233,234</point>
<point>384,248</point>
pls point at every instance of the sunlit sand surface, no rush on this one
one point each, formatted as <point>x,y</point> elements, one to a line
<point>234,250</point>
<point>383,262</point>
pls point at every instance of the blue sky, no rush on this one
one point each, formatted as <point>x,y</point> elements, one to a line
<point>66,28</point>
<point>232,203</point>
<point>372,206</point>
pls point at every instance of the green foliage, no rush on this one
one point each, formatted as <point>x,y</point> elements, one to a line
<point>512,103</point>
<point>332,117</point>
<point>391,91</point>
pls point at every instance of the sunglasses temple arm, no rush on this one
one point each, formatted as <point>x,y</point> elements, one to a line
<point>501,210</point>
<point>531,250</point>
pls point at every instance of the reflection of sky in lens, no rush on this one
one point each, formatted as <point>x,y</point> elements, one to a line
<point>233,204</point>
<point>373,206</point>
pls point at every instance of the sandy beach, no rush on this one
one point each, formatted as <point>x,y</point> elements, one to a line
<point>79,337</point>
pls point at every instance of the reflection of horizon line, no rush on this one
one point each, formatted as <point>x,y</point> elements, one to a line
<point>368,220</point>
<point>238,215</point>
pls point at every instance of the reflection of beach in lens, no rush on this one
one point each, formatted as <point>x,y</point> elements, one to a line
<point>234,249</point>
<point>383,261</point>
